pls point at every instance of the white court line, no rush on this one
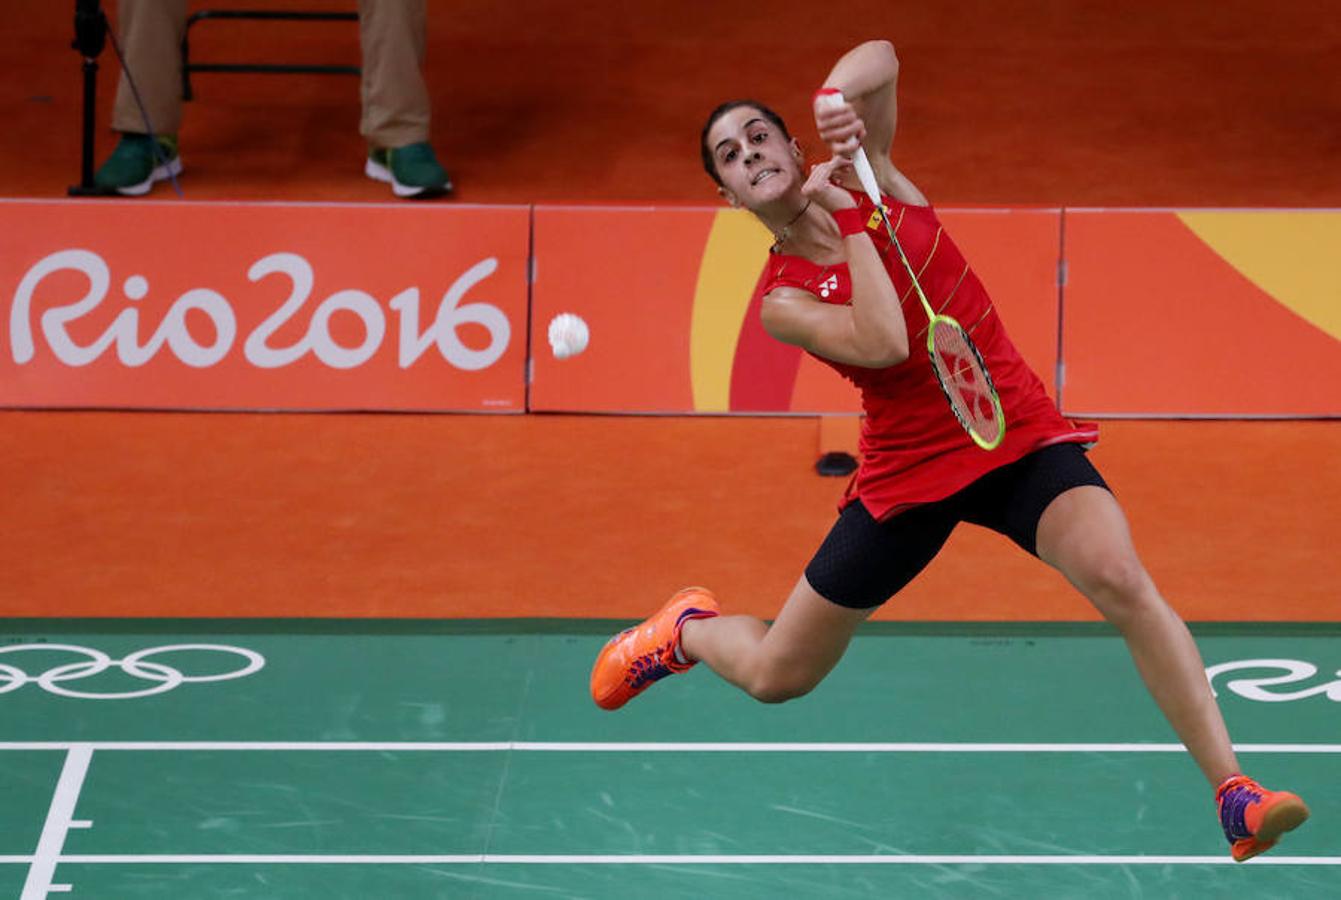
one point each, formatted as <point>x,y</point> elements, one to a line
<point>609,859</point>
<point>60,819</point>
<point>646,747</point>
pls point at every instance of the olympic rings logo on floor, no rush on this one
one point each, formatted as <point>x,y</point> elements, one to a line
<point>163,677</point>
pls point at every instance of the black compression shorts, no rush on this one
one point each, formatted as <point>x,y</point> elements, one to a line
<point>862,562</point>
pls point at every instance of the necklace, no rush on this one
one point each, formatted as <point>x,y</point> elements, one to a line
<point>781,236</point>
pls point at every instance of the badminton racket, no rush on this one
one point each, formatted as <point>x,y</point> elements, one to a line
<point>955,359</point>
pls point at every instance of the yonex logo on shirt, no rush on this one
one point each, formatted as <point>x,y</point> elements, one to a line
<point>828,285</point>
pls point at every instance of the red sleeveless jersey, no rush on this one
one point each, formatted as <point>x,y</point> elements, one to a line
<point>913,449</point>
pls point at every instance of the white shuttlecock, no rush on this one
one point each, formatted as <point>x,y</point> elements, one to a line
<point>568,335</point>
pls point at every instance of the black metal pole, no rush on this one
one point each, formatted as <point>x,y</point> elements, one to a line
<point>90,26</point>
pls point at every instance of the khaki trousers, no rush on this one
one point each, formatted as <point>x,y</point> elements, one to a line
<point>396,106</point>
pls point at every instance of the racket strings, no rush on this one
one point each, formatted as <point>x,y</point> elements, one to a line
<point>965,382</point>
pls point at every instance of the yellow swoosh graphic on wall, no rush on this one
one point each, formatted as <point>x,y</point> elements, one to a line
<point>732,260</point>
<point>1293,256</point>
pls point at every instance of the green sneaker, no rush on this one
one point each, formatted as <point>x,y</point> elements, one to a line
<point>133,166</point>
<point>412,170</point>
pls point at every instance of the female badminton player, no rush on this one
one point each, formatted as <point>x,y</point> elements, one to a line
<point>838,288</point>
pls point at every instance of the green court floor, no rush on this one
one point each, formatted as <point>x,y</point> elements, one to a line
<point>464,759</point>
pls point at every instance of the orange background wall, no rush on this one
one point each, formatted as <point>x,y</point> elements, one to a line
<point>1144,103</point>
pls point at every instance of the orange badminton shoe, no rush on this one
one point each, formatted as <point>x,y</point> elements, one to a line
<point>633,659</point>
<point>1255,818</point>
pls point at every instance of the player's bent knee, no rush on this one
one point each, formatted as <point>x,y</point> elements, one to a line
<point>778,687</point>
<point>779,693</point>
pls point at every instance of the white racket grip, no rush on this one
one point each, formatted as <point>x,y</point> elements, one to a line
<point>865,174</point>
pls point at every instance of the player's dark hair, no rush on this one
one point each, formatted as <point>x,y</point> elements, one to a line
<point>709,161</point>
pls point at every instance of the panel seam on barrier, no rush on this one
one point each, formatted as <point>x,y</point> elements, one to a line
<point>528,363</point>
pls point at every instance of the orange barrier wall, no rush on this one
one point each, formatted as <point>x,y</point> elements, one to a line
<point>1230,314</point>
<point>672,295</point>
<point>263,306</point>
<point>314,307</point>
